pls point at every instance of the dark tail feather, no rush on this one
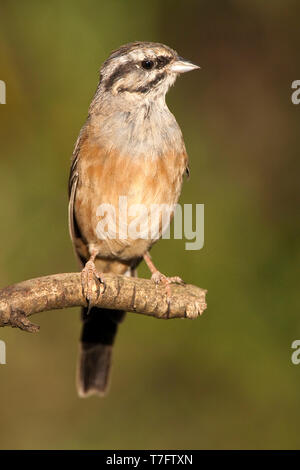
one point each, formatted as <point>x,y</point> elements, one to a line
<point>98,334</point>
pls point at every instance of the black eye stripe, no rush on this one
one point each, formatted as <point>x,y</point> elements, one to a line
<point>118,73</point>
<point>124,69</point>
<point>162,60</point>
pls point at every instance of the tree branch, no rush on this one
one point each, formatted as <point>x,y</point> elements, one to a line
<point>19,301</point>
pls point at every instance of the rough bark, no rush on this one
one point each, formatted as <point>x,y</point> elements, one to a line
<point>19,301</point>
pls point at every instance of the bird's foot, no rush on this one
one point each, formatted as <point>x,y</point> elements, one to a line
<point>160,278</point>
<point>92,284</point>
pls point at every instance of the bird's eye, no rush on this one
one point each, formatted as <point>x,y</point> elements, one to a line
<point>147,64</point>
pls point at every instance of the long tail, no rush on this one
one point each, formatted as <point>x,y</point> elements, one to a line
<point>98,334</point>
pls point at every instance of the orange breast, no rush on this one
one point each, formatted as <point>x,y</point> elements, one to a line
<point>105,176</point>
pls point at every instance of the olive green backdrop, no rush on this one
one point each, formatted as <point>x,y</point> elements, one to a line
<point>225,380</point>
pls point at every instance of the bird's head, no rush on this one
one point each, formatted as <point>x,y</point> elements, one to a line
<point>142,71</point>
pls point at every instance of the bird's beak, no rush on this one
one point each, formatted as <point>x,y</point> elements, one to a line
<point>181,65</point>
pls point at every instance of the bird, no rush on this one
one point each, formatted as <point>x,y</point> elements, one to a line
<point>130,147</point>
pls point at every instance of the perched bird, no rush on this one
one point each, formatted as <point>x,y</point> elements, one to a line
<point>130,146</point>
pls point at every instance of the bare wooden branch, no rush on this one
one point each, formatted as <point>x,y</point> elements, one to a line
<point>19,301</point>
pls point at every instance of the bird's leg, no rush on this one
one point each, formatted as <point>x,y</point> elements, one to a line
<point>158,277</point>
<point>92,283</point>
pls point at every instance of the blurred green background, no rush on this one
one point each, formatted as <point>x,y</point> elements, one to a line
<point>226,379</point>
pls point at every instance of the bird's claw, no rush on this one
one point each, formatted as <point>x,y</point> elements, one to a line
<point>160,278</point>
<point>92,284</point>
